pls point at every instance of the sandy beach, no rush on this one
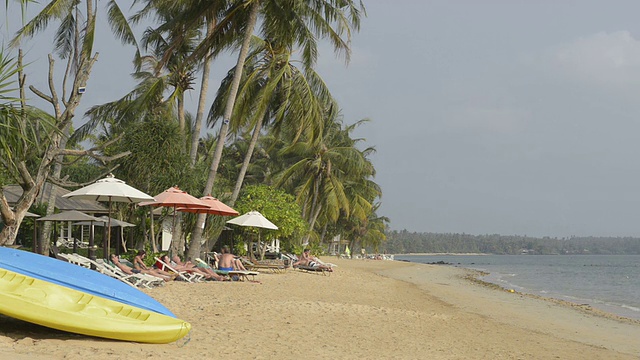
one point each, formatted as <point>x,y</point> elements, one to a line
<point>365,309</point>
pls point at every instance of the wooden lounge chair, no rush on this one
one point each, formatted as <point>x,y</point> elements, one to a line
<point>254,265</point>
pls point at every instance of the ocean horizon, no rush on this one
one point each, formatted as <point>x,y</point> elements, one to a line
<point>609,283</point>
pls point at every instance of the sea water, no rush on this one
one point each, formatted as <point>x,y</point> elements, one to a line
<point>607,282</point>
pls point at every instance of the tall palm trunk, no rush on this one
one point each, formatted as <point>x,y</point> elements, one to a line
<point>315,208</point>
<point>312,223</point>
<point>181,117</point>
<point>195,246</point>
<point>247,159</point>
<point>204,88</point>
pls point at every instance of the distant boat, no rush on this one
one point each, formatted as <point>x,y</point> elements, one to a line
<point>67,297</point>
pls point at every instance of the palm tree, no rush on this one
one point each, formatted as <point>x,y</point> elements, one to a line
<point>304,22</point>
<point>367,232</point>
<point>320,171</point>
<point>274,89</point>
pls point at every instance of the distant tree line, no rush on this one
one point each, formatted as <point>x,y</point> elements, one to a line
<point>402,242</point>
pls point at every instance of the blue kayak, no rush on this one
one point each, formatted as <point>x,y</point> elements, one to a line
<point>77,278</point>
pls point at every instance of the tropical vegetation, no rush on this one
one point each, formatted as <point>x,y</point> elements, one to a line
<point>403,242</point>
<point>276,141</point>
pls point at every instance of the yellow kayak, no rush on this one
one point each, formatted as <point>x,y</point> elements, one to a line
<point>55,306</point>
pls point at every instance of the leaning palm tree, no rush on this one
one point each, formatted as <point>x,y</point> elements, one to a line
<point>194,15</point>
<point>273,91</point>
<point>320,171</point>
<point>304,22</point>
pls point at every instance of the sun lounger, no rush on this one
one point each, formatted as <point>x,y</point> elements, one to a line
<point>274,268</point>
<point>140,280</point>
<point>184,275</point>
<point>313,269</point>
<point>239,274</point>
<point>68,243</point>
<point>74,259</point>
<point>134,280</point>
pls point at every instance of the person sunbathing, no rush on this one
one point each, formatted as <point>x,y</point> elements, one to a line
<point>308,260</point>
<point>228,262</point>
<point>130,271</point>
<point>191,266</point>
<point>138,263</point>
<point>190,269</point>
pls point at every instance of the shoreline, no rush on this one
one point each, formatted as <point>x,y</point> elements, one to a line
<point>590,305</point>
<point>365,309</point>
<point>475,275</point>
<point>442,254</point>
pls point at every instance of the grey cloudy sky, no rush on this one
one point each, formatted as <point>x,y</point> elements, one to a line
<point>510,117</point>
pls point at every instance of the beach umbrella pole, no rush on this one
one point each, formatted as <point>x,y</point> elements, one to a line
<point>108,249</point>
<point>92,250</point>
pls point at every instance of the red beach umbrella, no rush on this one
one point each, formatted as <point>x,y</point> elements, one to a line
<point>174,197</point>
<point>216,207</point>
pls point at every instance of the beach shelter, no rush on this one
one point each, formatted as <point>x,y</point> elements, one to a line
<point>111,222</point>
<point>73,215</point>
<point>30,214</point>
<point>175,198</point>
<point>110,190</point>
<point>108,222</point>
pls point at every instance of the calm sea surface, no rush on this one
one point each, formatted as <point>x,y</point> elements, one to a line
<point>607,282</point>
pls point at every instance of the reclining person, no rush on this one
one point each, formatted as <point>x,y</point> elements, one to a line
<point>138,263</point>
<point>130,271</point>
<point>190,266</point>
<point>191,269</point>
<point>308,260</point>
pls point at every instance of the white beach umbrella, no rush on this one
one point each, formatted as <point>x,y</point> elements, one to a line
<point>111,190</point>
<point>253,219</point>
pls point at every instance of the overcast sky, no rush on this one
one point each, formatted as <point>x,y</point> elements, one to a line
<point>509,117</point>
